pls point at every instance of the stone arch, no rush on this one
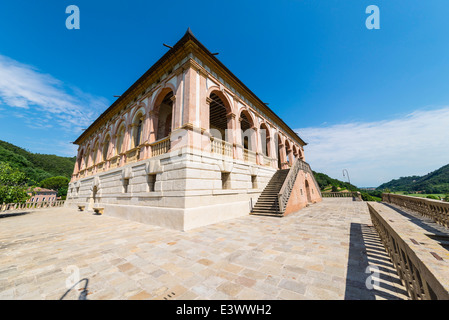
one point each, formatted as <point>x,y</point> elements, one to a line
<point>300,153</point>
<point>280,149</point>
<point>87,157</point>
<point>106,146</point>
<point>288,151</point>
<point>247,129</point>
<point>137,124</point>
<point>160,95</point>
<point>295,151</point>
<point>138,109</point>
<point>80,159</point>
<point>95,149</point>
<point>224,98</point>
<point>219,110</point>
<point>164,109</point>
<point>120,137</point>
<point>118,123</point>
<point>265,137</point>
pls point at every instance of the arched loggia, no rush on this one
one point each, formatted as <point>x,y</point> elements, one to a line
<point>165,115</point>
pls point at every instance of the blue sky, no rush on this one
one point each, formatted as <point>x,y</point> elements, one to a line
<point>374,102</point>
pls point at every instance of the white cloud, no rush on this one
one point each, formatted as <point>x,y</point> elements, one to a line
<point>376,152</point>
<point>37,96</point>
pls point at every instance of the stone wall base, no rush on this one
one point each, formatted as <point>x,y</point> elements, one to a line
<point>183,219</point>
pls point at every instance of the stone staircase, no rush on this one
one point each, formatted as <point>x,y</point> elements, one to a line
<point>268,203</point>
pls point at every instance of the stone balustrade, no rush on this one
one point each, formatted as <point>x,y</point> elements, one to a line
<point>266,161</point>
<point>160,147</point>
<point>221,147</point>
<point>355,195</point>
<point>249,156</point>
<point>8,207</point>
<point>436,210</point>
<point>416,256</point>
<point>132,155</point>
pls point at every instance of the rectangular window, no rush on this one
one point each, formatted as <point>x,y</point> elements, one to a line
<point>254,182</point>
<point>225,180</point>
<point>125,185</point>
<point>151,179</point>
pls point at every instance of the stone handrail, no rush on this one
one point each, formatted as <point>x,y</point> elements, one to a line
<point>309,170</point>
<point>416,257</point>
<point>30,205</point>
<point>355,195</point>
<point>289,182</point>
<point>436,210</point>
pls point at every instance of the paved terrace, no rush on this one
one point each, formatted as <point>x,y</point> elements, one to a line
<point>321,252</point>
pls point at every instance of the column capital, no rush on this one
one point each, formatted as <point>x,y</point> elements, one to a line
<point>154,113</point>
<point>230,115</point>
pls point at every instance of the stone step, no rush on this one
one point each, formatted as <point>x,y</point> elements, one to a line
<point>268,203</point>
<point>267,213</point>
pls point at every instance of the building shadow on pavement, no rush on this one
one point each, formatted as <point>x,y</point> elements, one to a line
<point>370,274</point>
<point>14,214</point>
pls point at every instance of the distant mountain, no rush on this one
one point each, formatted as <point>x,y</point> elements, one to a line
<point>434,182</point>
<point>36,166</point>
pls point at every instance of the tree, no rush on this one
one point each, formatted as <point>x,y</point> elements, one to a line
<point>59,184</point>
<point>13,184</point>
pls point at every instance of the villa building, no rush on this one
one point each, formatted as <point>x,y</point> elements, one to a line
<point>188,144</point>
<point>39,194</point>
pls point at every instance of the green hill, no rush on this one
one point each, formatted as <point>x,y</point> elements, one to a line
<point>325,182</point>
<point>37,167</point>
<point>435,182</point>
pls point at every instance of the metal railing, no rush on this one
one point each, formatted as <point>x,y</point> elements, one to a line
<point>8,207</point>
<point>436,210</point>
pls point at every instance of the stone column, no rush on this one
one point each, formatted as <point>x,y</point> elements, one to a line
<point>204,108</point>
<point>152,129</point>
<point>290,156</point>
<point>143,136</point>
<point>238,143</point>
<point>258,145</point>
<point>283,155</point>
<point>189,96</point>
<point>125,144</point>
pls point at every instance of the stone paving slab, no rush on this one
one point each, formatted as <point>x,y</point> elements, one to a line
<point>321,252</point>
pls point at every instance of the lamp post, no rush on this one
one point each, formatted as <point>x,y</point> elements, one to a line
<point>347,173</point>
